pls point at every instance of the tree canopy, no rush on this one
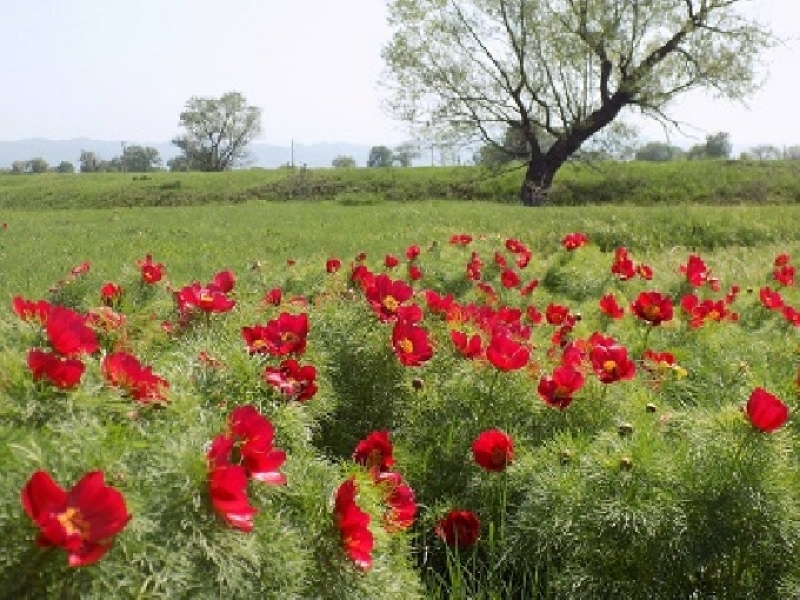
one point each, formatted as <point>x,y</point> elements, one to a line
<point>217,131</point>
<point>564,69</point>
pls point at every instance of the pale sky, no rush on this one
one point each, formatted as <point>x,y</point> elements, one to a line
<point>123,70</point>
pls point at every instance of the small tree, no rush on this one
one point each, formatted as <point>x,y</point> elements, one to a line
<point>217,131</point>
<point>38,165</point>
<point>719,145</point>
<point>65,167</point>
<point>90,162</point>
<point>140,159</point>
<point>765,152</point>
<point>404,154</point>
<point>791,153</point>
<point>658,152</point>
<point>380,156</point>
<point>343,162</point>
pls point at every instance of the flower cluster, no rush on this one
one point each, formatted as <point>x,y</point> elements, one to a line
<point>245,451</point>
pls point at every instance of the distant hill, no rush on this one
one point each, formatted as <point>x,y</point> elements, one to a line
<point>263,155</point>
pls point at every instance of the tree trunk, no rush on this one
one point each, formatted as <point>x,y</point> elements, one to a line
<point>538,179</point>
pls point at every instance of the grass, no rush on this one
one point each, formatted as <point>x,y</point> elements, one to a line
<point>638,183</point>
<point>621,516</point>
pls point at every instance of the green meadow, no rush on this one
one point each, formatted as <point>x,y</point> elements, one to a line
<point>656,486</point>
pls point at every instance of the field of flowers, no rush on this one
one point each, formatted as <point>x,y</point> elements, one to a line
<point>469,416</point>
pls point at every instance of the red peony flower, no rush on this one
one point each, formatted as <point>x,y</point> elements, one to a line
<point>399,498</point>
<point>644,271</point>
<point>792,315</point>
<point>123,370</point>
<point>390,262</point>
<point>411,344</point>
<point>439,305</point>
<point>332,265</point>
<point>287,334</point>
<point>68,333</point>
<point>533,315</point>
<point>151,272</point>
<point>227,487</point>
<point>412,253</point>
<point>784,275</point>
<point>652,307</point>
<point>353,525</point>
<point>292,380</point>
<point>506,354</point>
<point>83,520</point>
<point>386,295</point>
<point>509,279</point>
<point>572,241</point>
<point>556,314</point>
<point>609,306</point>
<point>208,299</point>
<point>610,362</point>
<point>622,266</point>
<point>64,373</point>
<point>414,272</point>
<point>696,271</point>
<point>765,411</point>
<point>254,434</point>
<point>500,260</point>
<point>460,239</point>
<point>80,269</point>
<point>223,282</point>
<point>493,450</point>
<point>31,310</point>
<point>375,452</point>
<point>781,260</point>
<point>467,346</point>
<point>770,299</point>
<point>110,294</point>
<point>557,390</point>
<point>273,297</point>
<point>459,528</point>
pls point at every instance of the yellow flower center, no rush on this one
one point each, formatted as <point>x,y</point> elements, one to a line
<point>609,366</point>
<point>406,346</point>
<point>73,522</point>
<point>390,303</point>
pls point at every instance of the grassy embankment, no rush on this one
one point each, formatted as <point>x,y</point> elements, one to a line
<point>706,182</point>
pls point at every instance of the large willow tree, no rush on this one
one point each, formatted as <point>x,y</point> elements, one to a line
<point>561,71</point>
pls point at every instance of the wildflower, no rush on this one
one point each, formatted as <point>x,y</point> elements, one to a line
<point>110,294</point>
<point>610,362</point>
<point>770,299</point>
<point>468,346</point>
<point>286,334</point>
<point>766,412</point>
<point>83,520</point>
<point>622,266</point>
<point>273,297</point>
<point>68,333</point>
<point>386,295</point>
<point>493,450</point>
<point>208,299</point>
<point>64,373</point>
<point>124,370</point>
<point>295,382</point>
<point>652,307</point>
<point>506,354</point>
<point>459,528</point>
<point>609,306</point>
<point>411,344</point>
<point>400,502</point>
<point>375,452</point>
<point>573,241</point>
<point>557,390</point>
<point>151,272</point>
<point>332,265</point>
<point>509,279</point>
<point>31,310</point>
<point>227,488</point>
<point>353,525</point>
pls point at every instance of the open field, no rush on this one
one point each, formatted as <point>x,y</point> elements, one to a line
<point>651,484</point>
<point>680,182</point>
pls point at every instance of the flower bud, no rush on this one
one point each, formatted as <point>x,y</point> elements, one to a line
<point>625,429</point>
